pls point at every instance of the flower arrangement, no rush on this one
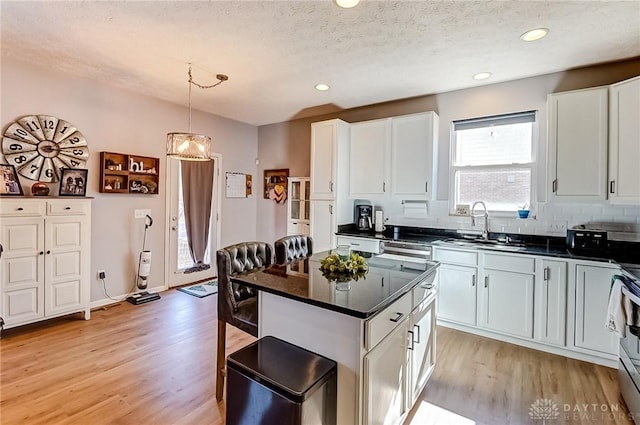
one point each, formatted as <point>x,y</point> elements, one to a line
<point>335,269</point>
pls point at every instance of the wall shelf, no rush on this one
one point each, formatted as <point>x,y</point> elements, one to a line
<point>127,173</point>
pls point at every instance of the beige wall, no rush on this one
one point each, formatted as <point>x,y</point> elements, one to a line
<point>286,145</point>
<point>119,121</point>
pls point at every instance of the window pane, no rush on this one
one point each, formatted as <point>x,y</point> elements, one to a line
<point>500,190</point>
<point>493,145</point>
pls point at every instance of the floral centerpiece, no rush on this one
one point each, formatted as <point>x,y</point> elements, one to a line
<point>335,269</point>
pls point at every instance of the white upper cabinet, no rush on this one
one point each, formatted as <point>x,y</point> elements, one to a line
<point>414,155</point>
<point>329,158</point>
<point>369,165</point>
<point>395,156</point>
<point>578,144</point>
<point>624,142</point>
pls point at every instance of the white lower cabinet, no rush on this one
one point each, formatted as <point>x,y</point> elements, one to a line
<point>554,305</point>
<point>508,302</point>
<point>44,271</point>
<point>507,294</point>
<point>385,372</point>
<point>323,225</point>
<point>551,302</point>
<point>457,292</point>
<point>422,347</point>
<point>592,300</point>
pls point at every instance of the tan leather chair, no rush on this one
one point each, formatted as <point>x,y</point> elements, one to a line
<point>237,304</point>
<point>293,248</point>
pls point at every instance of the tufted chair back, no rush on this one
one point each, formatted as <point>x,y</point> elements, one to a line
<point>237,304</point>
<point>293,248</point>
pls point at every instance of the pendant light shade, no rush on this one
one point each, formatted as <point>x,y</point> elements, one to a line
<point>189,146</point>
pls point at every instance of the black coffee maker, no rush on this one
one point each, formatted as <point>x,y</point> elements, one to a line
<point>364,217</point>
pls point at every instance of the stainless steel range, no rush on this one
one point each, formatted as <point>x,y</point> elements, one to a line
<point>629,363</point>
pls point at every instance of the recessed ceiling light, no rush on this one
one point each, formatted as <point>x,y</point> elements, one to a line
<point>482,76</point>
<point>347,3</point>
<point>534,34</point>
<point>322,87</point>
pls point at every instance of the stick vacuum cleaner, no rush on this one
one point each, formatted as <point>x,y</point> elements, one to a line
<point>144,270</point>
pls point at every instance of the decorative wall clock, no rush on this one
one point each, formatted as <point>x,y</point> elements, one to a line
<point>39,146</point>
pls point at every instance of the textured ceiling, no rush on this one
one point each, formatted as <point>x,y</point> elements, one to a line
<point>276,51</point>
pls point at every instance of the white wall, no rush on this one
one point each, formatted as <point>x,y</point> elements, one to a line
<point>119,121</point>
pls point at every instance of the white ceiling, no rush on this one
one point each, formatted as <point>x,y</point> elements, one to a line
<point>276,51</point>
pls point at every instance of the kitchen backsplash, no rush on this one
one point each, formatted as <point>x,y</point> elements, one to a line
<point>550,219</point>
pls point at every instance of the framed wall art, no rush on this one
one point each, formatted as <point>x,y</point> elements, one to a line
<point>9,182</point>
<point>275,185</point>
<point>73,182</point>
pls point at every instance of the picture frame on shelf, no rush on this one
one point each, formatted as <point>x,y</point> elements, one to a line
<point>275,184</point>
<point>9,182</point>
<point>73,182</point>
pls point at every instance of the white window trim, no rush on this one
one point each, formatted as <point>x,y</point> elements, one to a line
<point>533,166</point>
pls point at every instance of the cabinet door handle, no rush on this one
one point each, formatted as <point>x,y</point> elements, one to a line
<point>547,274</point>
<point>612,186</point>
<point>48,252</point>
<point>384,186</point>
<point>41,253</point>
<point>554,185</point>
<point>412,342</point>
<point>331,209</point>
<point>473,280</point>
<point>486,281</point>
<point>331,186</point>
<point>20,209</point>
<point>397,318</point>
<point>418,332</point>
<point>426,187</point>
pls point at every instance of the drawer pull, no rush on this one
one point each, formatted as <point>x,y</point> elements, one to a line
<point>427,285</point>
<point>418,332</point>
<point>20,209</point>
<point>412,341</point>
<point>67,208</point>
<point>397,318</point>
<point>355,244</point>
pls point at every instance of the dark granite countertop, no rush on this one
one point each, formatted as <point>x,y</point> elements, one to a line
<point>386,281</point>
<point>552,246</point>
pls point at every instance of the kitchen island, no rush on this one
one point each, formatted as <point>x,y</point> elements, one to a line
<point>380,331</point>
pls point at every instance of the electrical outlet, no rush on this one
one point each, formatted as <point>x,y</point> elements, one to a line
<point>141,213</point>
<point>557,227</point>
<point>101,274</point>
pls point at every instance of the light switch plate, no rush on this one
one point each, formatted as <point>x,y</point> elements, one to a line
<point>141,213</point>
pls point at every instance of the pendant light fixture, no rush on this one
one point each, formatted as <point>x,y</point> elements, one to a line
<point>189,146</point>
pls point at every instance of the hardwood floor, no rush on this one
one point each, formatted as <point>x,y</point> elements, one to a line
<point>155,364</point>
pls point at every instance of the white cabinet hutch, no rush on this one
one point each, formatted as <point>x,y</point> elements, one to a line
<point>45,266</point>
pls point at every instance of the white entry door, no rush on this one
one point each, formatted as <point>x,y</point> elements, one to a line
<point>178,254</point>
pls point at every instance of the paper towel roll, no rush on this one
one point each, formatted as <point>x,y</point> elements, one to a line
<point>379,221</point>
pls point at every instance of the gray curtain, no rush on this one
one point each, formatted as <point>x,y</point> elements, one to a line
<point>197,187</point>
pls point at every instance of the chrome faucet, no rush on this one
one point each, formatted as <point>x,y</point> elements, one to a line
<point>485,232</point>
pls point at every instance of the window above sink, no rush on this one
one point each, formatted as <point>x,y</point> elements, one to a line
<point>492,159</point>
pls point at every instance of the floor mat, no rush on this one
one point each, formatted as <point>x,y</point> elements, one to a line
<point>201,290</point>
